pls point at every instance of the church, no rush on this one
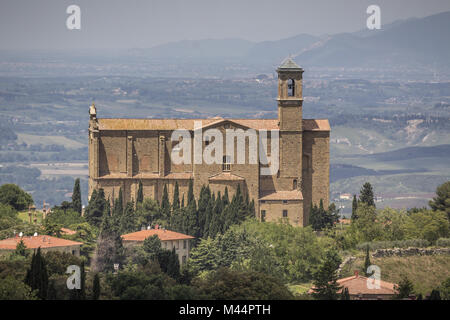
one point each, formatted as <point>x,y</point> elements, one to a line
<point>124,152</point>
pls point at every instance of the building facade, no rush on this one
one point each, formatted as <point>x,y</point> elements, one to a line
<point>169,240</point>
<point>123,152</point>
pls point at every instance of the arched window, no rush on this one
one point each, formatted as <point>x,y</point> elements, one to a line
<point>291,88</point>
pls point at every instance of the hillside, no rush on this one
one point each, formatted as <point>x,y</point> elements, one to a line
<point>425,272</point>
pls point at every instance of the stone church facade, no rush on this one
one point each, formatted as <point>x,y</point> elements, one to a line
<point>123,152</point>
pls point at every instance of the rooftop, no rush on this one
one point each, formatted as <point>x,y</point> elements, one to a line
<point>357,285</point>
<point>163,235</point>
<point>289,64</point>
<point>188,124</point>
<point>34,242</point>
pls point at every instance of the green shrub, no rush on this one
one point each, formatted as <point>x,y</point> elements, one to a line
<point>443,242</point>
<point>417,243</point>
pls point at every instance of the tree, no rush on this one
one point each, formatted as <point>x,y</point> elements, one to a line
<point>435,295</point>
<point>367,262</point>
<point>96,290</point>
<point>169,263</point>
<point>315,219</point>
<point>118,205</point>
<point>404,288</point>
<point>354,207</point>
<point>366,194</point>
<point>190,195</point>
<point>21,249</point>
<point>76,197</point>
<point>127,221</point>
<point>345,295</point>
<point>444,289</point>
<point>228,284</point>
<point>176,197</point>
<point>204,198</point>
<point>140,193</point>
<point>366,228</point>
<point>13,195</point>
<point>37,276</point>
<point>96,208</point>
<point>109,248</point>
<point>165,204</point>
<point>325,278</point>
<point>13,289</point>
<point>442,200</point>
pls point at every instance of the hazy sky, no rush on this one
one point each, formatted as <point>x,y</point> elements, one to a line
<point>41,24</point>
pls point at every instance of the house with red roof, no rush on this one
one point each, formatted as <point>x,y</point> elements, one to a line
<point>46,243</point>
<point>169,240</point>
<point>363,288</point>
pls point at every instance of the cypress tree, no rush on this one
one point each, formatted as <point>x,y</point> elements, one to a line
<point>96,287</point>
<point>225,198</point>
<point>215,225</point>
<point>325,282</point>
<point>367,262</point>
<point>127,220</point>
<point>37,276</point>
<point>435,295</point>
<point>208,216</point>
<point>205,196</point>
<point>96,207</point>
<point>354,207</point>
<point>315,219</point>
<point>176,198</point>
<point>190,195</point>
<point>165,204</point>
<point>345,295</point>
<point>182,201</point>
<point>118,204</point>
<point>366,194</point>
<point>140,193</point>
<point>76,196</point>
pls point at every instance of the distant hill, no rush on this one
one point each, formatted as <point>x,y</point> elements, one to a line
<point>415,42</point>
<point>440,151</point>
<point>424,41</point>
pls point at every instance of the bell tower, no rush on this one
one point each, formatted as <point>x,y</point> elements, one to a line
<point>290,121</point>
<point>290,97</point>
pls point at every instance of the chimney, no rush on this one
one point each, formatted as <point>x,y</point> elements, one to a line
<point>356,273</point>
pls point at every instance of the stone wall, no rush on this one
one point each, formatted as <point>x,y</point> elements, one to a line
<point>399,252</point>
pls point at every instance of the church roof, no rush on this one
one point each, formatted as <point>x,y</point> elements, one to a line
<point>188,124</point>
<point>289,64</point>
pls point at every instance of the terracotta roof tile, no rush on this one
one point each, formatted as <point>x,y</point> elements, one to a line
<point>34,242</point>
<point>162,234</point>
<point>358,285</point>
<point>283,195</point>
<point>188,124</point>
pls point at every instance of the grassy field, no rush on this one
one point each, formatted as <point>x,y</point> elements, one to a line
<point>48,140</point>
<point>23,215</point>
<point>425,272</point>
